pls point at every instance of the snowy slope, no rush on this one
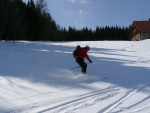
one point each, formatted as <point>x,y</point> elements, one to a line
<point>35,77</point>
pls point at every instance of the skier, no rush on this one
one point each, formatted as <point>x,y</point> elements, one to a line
<point>79,54</point>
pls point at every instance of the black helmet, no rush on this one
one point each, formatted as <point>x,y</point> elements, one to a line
<point>88,48</point>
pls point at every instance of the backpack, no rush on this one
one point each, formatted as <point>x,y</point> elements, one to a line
<point>76,51</point>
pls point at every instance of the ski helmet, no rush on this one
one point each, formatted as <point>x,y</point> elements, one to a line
<point>88,48</point>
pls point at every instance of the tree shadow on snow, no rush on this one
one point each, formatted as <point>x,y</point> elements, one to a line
<point>121,68</point>
<point>50,64</point>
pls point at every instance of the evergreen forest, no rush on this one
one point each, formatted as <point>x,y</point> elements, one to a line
<point>32,21</point>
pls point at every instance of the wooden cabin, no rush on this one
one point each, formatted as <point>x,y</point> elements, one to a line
<point>140,30</point>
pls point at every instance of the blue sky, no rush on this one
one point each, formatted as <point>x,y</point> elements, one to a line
<point>93,13</point>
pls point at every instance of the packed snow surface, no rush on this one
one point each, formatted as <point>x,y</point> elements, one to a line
<point>36,77</point>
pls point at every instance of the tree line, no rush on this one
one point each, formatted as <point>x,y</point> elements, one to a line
<point>100,33</point>
<point>32,21</point>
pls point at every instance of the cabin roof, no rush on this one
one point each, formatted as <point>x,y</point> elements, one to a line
<point>142,25</point>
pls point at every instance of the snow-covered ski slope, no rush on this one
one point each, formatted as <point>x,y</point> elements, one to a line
<point>35,77</point>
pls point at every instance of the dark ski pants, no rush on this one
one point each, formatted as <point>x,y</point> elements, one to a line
<point>82,64</point>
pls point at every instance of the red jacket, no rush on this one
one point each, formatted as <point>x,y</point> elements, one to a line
<point>83,54</point>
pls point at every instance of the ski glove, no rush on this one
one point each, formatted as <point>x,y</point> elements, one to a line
<point>90,61</point>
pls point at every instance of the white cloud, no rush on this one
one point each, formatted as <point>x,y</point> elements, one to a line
<point>79,1</point>
<point>82,13</point>
<point>76,18</point>
<point>84,1</point>
<point>73,1</point>
<point>75,13</point>
<point>68,13</point>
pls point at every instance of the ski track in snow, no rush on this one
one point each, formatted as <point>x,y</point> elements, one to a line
<point>71,104</point>
<point>144,57</point>
<point>110,99</point>
<point>138,107</point>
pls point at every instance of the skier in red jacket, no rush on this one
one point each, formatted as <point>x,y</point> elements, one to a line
<point>80,58</point>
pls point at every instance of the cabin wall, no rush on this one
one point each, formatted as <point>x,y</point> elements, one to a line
<point>136,37</point>
<point>145,35</point>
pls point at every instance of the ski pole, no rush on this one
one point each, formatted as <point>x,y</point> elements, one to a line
<point>77,66</point>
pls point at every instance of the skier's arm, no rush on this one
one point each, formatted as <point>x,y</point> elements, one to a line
<point>87,57</point>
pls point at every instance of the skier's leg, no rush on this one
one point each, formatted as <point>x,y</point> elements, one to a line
<point>79,61</point>
<point>82,64</point>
